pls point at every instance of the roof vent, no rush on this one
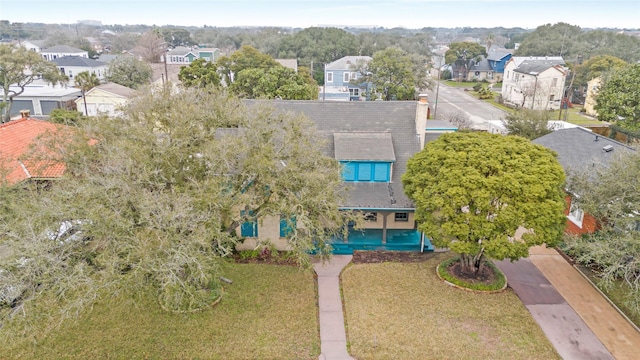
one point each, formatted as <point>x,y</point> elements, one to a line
<point>607,148</point>
<point>597,138</point>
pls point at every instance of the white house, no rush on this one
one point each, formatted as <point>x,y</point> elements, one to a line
<point>33,45</point>
<point>105,99</point>
<point>535,83</point>
<point>339,77</point>
<point>59,51</point>
<point>73,65</point>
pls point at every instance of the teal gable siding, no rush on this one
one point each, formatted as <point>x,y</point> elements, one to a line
<point>366,171</point>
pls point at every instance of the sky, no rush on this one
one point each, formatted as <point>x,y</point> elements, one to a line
<point>412,14</point>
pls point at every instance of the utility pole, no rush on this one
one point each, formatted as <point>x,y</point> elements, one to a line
<point>435,106</point>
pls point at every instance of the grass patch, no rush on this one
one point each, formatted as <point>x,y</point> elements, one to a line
<point>404,311</point>
<point>460,84</point>
<point>497,285</point>
<point>269,312</point>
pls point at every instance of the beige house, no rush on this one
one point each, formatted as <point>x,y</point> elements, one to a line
<point>590,101</point>
<point>105,99</point>
<point>372,140</point>
<point>535,83</point>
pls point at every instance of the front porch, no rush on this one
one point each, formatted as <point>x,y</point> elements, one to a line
<point>372,239</point>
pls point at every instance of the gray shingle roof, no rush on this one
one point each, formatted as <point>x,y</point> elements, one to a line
<point>394,117</point>
<point>527,65</point>
<point>497,53</point>
<point>346,62</point>
<point>63,49</point>
<point>116,89</point>
<point>482,65</point>
<point>363,146</point>
<point>77,61</point>
<point>580,149</point>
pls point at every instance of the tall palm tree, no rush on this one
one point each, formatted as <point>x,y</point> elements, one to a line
<point>86,81</point>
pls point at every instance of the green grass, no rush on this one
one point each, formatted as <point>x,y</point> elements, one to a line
<point>403,311</point>
<point>269,312</point>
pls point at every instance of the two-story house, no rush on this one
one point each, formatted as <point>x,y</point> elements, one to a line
<point>372,141</point>
<point>59,51</point>
<point>340,80</point>
<point>498,58</point>
<point>73,65</point>
<point>535,83</point>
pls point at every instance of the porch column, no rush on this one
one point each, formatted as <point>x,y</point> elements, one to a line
<point>384,226</point>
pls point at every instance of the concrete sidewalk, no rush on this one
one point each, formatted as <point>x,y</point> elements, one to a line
<point>333,338</point>
<point>613,330</point>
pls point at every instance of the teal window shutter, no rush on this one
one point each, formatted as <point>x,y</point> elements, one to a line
<point>364,172</point>
<point>249,228</point>
<point>349,171</point>
<point>286,226</point>
<point>381,172</point>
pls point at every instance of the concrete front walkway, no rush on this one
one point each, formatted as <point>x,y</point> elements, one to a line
<point>333,339</point>
<point>615,332</point>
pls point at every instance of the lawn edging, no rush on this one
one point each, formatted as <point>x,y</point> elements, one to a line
<point>450,280</point>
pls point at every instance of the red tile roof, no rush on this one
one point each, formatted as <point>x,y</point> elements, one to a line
<point>17,160</point>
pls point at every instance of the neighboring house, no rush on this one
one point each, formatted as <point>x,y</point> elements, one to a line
<point>372,141</point>
<point>59,51</point>
<point>479,70</point>
<point>162,72</point>
<point>498,58</point>
<point>185,55</point>
<point>105,99</point>
<point>73,65</point>
<point>581,150</point>
<point>338,77</point>
<point>289,63</point>
<point>590,101</point>
<point>33,45</point>
<point>41,99</point>
<point>535,83</point>
<point>17,163</point>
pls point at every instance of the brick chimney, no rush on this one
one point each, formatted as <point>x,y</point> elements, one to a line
<point>25,114</point>
<point>422,113</point>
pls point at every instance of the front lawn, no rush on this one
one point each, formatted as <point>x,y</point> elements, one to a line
<point>269,312</point>
<point>403,311</point>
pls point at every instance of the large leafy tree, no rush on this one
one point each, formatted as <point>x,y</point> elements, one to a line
<point>20,67</point>
<point>463,51</point>
<point>86,81</point>
<point>475,192</point>
<point>157,201</point>
<point>277,82</point>
<point>612,195</point>
<point>247,57</point>
<point>598,66</point>
<point>527,123</point>
<point>129,71</point>
<point>618,100</point>
<point>393,74</point>
<point>199,73</point>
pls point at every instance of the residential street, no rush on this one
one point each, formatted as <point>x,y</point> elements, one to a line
<point>452,100</point>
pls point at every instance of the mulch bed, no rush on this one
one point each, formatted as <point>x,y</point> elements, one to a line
<point>368,257</point>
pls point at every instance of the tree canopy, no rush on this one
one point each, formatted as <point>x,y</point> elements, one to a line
<point>527,123</point>
<point>393,74</point>
<point>277,82</point>
<point>129,71</point>
<point>463,52</point>
<point>157,201</point>
<point>618,100</point>
<point>20,67</point>
<point>487,195</point>
<point>86,81</point>
<point>199,73</point>
<point>598,66</point>
<point>247,57</point>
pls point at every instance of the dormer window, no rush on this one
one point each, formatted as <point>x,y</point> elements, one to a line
<point>365,156</point>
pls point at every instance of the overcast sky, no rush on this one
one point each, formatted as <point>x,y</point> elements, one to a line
<point>306,13</point>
